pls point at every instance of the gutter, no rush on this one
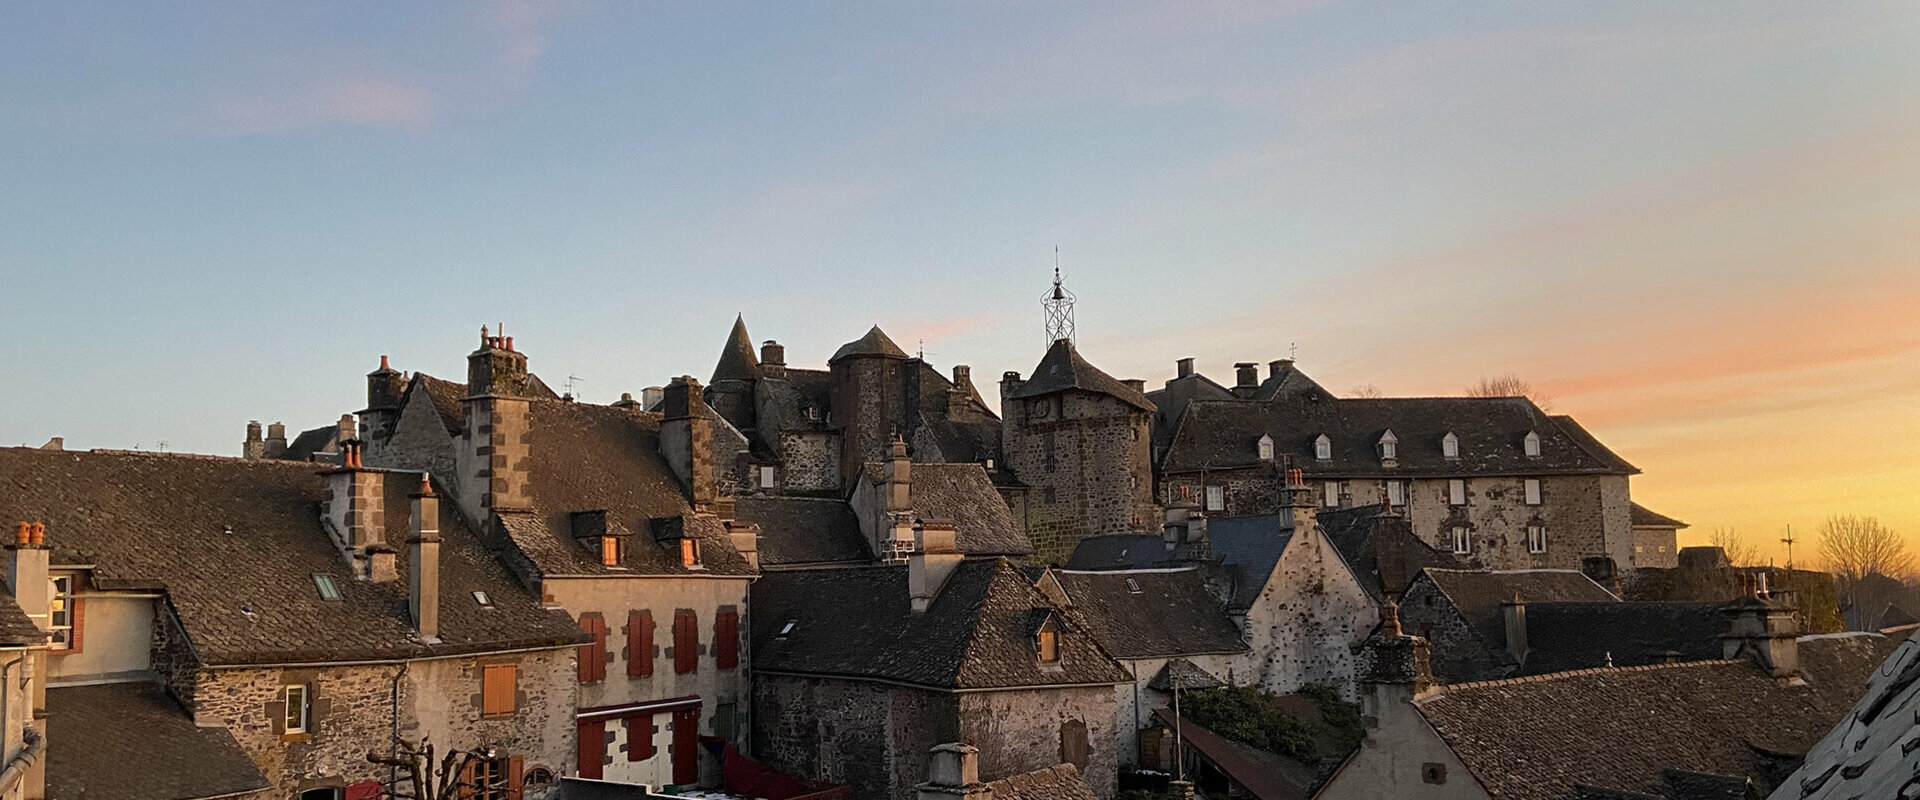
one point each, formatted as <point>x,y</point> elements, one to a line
<point>941,689</point>
<point>17,768</point>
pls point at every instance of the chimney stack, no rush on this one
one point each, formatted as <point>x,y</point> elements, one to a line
<point>356,502</point>
<point>255,447</point>
<point>1300,502</point>
<point>931,563</point>
<point>1514,613</point>
<point>1764,632</point>
<point>423,585</point>
<point>899,476</point>
<point>1275,368</point>
<point>1136,384</point>
<point>953,773</point>
<point>27,561</point>
<point>651,398</point>
<point>960,397</point>
<point>773,359</point>
<point>276,445</point>
<point>1393,669</point>
<point>686,438</point>
<point>1246,374</point>
<point>1183,368</point>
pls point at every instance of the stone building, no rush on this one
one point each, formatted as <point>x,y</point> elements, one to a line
<point>1656,539</point>
<point>859,671</point>
<point>229,627</point>
<point>1495,481</point>
<point>24,639</point>
<point>615,514</point>
<point>1729,727</point>
<point>810,430</point>
<point>1077,441</point>
<point>1459,613</point>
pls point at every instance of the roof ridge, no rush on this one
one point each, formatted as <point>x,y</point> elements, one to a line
<point>108,451</point>
<point>1445,689</point>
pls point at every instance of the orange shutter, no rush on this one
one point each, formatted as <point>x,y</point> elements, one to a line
<point>639,644</point>
<point>469,776</point>
<point>515,767</point>
<point>686,642</point>
<point>497,690</point>
<point>726,640</point>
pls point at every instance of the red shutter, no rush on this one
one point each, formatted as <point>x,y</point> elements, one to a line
<point>640,737</point>
<point>726,640</point>
<point>639,644</point>
<point>593,748</point>
<point>593,656</point>
<point>686,642</point>
<point>364,790</point>
<point>686,747</point>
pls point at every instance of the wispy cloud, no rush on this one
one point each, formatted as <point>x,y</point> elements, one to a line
<point>521,26</point>
<point>370,102</point>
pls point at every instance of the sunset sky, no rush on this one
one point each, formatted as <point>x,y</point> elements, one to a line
<point>1696,226</point>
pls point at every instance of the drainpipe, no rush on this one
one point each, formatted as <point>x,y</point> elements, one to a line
<point>17,767</point>
<point>393,772</point>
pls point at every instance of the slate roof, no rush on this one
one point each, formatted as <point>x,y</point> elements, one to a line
<point>1062,369</point>
<point>801,531</point>
<point>962,493</point>
<point>311,442</point>
<point>977,634</point>
<point>1288,381</point>
<point>874,343</point>
<point>1535,738</point>
<point>1184,675</point>
<point>1219,434</point>
<point>1265,775</point>
<point>1477,594</point>
<point>737,360</point>
<point>1351,530</point>
<point>1248,549</point>
<point>1121,551</point>
<point>1171,402</point>
<point>130,741</point>
<point>1867,754</point>
<point>152,521</point>
<point>1568,636</point>
<point>1058,782</point>
<point>786,401</point>
<point>1150,614</point>
<point>587,457</point>
<point>16,629</point>
<point>446,397</point>
<point>1644,517</point>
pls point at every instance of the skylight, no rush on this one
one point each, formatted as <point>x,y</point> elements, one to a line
<point>484,600</point>
<point>788,628</point>
<point>1133,586</point>
<point>329,590</point>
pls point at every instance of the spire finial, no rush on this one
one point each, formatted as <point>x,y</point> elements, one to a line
<point>1058,305</point>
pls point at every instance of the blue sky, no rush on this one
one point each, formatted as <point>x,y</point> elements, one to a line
<point>1691,223</point>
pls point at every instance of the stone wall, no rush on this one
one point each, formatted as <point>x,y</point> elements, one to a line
<point>1307,621</point>
<point>873,737</point>
<point>419,441</point>
<point>491,458</point>
<point>357,708</point>
<point>810,461</point>
<point>1658,548</point>
<point>1085,459</point>
<point>867,409</point>
<point>1459,654</point>
<point>1021,731</point>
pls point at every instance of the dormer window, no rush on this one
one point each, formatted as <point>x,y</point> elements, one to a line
<point>1323,448</point>
<point>1531,445</point>
<point>690,553</point>
<point>1046,639</point>
<point>1389,446</point>
<point>1450,445</point>
<point>612,551</point>
<point>1266,448</point>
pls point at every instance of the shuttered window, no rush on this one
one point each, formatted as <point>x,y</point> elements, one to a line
<point>640,737</point>
<point>639,644</point>
<point>686,641</point>
<point>593,655</point>
<point>726,639</point>
<point>593,748</point>
<point>498,685</point>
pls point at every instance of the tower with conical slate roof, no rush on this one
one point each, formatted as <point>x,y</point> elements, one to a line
<point>867,408</point>
<point>730,392</point>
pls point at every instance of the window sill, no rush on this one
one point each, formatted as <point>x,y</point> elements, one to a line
<point>296,737</point>
<point>498,715</point>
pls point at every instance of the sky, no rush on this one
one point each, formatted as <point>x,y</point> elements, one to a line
<point>1690,225</point>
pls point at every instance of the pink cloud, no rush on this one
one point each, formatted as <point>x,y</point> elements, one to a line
<point>521,26</point>
<point>361,101</point>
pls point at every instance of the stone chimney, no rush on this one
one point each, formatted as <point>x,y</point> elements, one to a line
<point>934,557</point>
<point>899,476</point>
<point>493,463</point>
<point>651,398</point>
<point>1299,500</point>
<point>276,444</point>
<point>1390,537</point>
<point>56,444</point>
<point>686,438</point>
<point>355,503</point>
<point>385,387</point>
<point>1393,669</point>
<point>423,569</point>
<point>773,359</point>
<point>1136,384</point>
<point>1514,613</point>
<point>1183,368</point>
<point>27,561</point>
<point>1764,632</point>
<point>953,773</point>
<point>255,447</point>
<point>627,402</point>
<point>1246,378</point>
<point>960,397</point>
<point>1276,367</point>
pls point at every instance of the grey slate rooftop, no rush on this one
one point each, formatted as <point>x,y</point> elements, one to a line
<point>804,531</point>
<point>1157,613</point>
<point>130,741</point>
<point>1062,369</point>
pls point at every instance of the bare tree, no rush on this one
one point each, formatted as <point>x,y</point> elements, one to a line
<point>1366,391</point>
<point>1510,385</point>
<point>1855,547</point>
<point>1740,552</point>
<point>418,776</point>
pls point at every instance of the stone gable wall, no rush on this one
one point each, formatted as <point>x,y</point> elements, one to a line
<point>1085,459</point>
<point>418,441</point>
<point>873,737</point>
<point>1304,626</point>
<point>810,461</point>
<point>1019,731</point>
<point>1459,654</point>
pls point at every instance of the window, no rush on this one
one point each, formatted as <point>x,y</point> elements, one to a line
<point>485,600</point>
<point>326,586</point>
<point>1433,772</point>
<point>498,685</point>
<point>593,655</point>
<point>766,477</point>
<point>1462,541</point>
<point>1536,539</point>
<point>1396,493</point>
<point>690,553</point>
<point>299,708</point>
<point>787,629</point>
<point>324,793</point>
<point>490,779</point>
<point>1048,642</point>
<point>1531,445</point>
<point>1389,446</point>
<point>1266,448</point>
<point>1216,498</point>
<point>1533,491</point>
<point>1450,445</point>
<point>1133,586</point>
<point>538,778</point>
<point>686,641</point>
<point>726,638</point>
<point>612,551</point>
<point>1323,448</point>
<point>65,614</point>
<point>639,643</point>
<point>1074,746</point>
<point>1457,492</point>
<point>1330,495</point>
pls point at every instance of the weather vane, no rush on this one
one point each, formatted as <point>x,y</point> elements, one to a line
<point>1058,305</point>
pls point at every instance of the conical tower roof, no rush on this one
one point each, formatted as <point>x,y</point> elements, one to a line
<point>875,343</point>
<point>1064,369</point>
<point>737,362</point>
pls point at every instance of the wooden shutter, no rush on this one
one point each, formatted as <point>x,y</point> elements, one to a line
<point>593,748</point>
<point>469,776</point>
<point>686,747</point>
<point>639,644</point>
<point>686,641</point>
<point>640,737</point>
<point>1074,747</point>
<point>516,766</point>
<point>364,790</point>
<point>593,655</point>
<point>498,685</point>
<point>726,639</point>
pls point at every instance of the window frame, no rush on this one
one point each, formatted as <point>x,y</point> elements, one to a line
<point>1537,539</point>
<point>1330,495</point>
<point>296,718</point>
<point>1046,645</point>
<point>1531,491</point>
<point>1216,498</point>
<point>1396,493</point>
<point>1389,447</point>
<point>1462,540</point>
<point>1450,446</point>
<point>767,477</point>
<point>1531,444</point>
<point>1456,492</point>
<point>1265,448</point>
<point>1323,448</point>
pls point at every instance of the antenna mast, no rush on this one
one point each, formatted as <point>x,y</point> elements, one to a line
<point>1058,305</point>
<point>1789,543</point>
